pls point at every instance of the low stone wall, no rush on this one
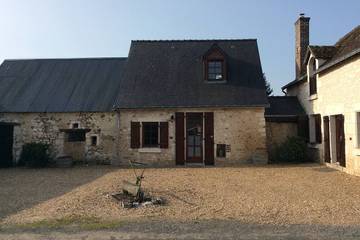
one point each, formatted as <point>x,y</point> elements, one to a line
<point>45,127</point>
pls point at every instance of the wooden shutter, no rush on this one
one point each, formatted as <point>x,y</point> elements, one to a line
<point>135,135</point>
<point>209,138</point>
<point>326,140</point>
<point>318,128</point>
<point>180,138</point>
<point>164,135</point>
<point>340,140</point>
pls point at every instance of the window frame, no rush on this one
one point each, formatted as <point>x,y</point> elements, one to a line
<point>221,61</point>
<point>357,129</point>
<point>143,132</point>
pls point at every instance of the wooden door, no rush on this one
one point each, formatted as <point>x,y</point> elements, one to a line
<point>209,138</point>
<point>6,145</point>
<point>179,138</point>
<point>194,137</point>
<point>340,140</point>
<point>326,140</point>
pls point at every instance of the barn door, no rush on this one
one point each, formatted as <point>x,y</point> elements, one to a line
<point>340,140</point>
<point>6,145</point>
<point>179,138</point>
<point>326,140</point>
<point>209,138</point>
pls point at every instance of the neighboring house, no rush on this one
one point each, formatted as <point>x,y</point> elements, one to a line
<point>327,85</point>
<point>169,102</point>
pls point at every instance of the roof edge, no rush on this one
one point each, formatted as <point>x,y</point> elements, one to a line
<point>197,40</point>
<point>337,61</point>
<point>79,58</point>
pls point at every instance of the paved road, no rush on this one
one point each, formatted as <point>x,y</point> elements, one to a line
<point>191,230</point>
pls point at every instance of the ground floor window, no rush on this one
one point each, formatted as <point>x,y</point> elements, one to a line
<point>150,134</point>
<point>76,136</point>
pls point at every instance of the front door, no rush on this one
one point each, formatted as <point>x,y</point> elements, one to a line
<point>6,145</point>
<point>194,137</point>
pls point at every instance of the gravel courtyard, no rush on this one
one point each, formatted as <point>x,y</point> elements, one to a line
<point>277,195</point>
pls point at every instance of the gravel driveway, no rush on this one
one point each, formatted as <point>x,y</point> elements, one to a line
<point>263,195</point>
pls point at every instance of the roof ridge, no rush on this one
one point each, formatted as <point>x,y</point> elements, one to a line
<point>197,40</point>
<point>79,58</point>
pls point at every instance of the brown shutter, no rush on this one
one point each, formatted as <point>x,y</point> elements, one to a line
<point>318,128</point>
<point>209,138</point>
<point>179,138</point>
<point>135,135</point>
<point>326,140</point>
<point>340,140</point>
<point>164,135</point>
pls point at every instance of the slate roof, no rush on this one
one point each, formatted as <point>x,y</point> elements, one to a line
<point>323,52</point>
<point>170,74</point>
<point>284,106</point>
<point>60,85</point>
<point>345,48</point>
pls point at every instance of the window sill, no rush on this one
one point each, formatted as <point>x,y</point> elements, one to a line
<point>149,150</point>
<point>215,81</point>
<point>313,97</point>
<point>314,145</point>
<point>356,152</point>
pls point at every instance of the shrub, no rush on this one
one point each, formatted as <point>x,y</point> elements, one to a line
<point>293,150</point>
<point>35,155</point>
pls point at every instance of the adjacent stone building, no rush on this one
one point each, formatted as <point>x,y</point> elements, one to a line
<point>170,102</point>
<point>327,85</point>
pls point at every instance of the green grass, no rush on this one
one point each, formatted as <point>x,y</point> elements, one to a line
<point>83,223</point>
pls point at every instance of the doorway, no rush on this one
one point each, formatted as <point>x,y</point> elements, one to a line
<point>6,145</point>
<point>194,137</point>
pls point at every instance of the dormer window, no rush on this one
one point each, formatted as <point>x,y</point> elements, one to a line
<point>215,65</point>
<point>215,70</point>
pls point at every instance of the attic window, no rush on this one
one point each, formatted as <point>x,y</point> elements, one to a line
<point>215,65</point>
<point>215,70</point>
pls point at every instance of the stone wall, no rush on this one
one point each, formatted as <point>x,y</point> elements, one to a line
<point>243,129</point>
<point>277,133</point>
<point>45,127</point>
<point>337,93</point>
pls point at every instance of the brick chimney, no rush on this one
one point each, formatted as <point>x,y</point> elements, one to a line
<point>301,43</point>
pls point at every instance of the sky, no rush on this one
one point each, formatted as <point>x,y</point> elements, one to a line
<point>105,28</point>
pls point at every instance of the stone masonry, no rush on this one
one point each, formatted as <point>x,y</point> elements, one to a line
<point>243,129</point>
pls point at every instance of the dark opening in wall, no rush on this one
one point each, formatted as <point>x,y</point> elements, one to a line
<point>76,136</point>
<point>75,125</point>
<point>221,150</point>
<point>94,140</point>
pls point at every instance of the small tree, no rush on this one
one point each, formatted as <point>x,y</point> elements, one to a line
<point>268,87</point>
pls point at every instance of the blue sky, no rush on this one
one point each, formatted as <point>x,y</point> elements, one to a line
<point>104,28</point>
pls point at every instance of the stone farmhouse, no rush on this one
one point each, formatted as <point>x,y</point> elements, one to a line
<point>185,102</point>
<point>169,102</point>
<point>327,86</point>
